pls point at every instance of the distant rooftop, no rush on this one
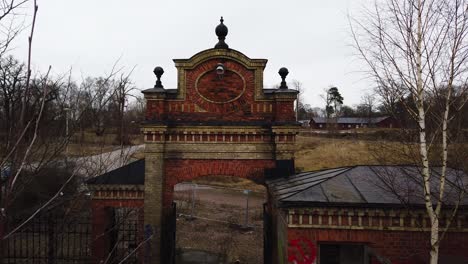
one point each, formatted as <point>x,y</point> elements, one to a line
<point>351,120</point>
<point>362,185</point>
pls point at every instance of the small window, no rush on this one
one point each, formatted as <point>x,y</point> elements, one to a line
<point>343,254</point>
<point>320,126</point>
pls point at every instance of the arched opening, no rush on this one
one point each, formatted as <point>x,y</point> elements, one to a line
<point>219,220</point>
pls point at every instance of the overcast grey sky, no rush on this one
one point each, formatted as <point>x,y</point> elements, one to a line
<point>309,37</point>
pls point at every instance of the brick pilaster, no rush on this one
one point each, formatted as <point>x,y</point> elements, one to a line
<point>153,205</point>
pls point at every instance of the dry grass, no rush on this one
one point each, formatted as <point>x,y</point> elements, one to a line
<point>81,150</point>
<point>221,238</point>
<point>89,143</point>
<point>315,153</point>
<point>90,137</point>
<point>230,182</point>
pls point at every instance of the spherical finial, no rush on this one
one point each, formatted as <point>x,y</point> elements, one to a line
<point>158,71</point>
<point>221,31</point>
<point>283,72</point>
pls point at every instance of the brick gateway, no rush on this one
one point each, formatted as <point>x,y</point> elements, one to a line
<point>219,121</point>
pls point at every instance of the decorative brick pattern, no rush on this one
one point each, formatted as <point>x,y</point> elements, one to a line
<point>395,235</point>
<point>206,97</point>
<point>117,194</point>
<point>370,219</point>
<point>220,89</point>
<point>213,136</point>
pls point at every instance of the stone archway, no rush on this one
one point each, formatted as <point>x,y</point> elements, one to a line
<point>219,120</point>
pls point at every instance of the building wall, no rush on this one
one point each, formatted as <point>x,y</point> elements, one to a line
<point>389,123</point>
<point>102,220</point>
<point>397,235</point>
<point>401,247</point>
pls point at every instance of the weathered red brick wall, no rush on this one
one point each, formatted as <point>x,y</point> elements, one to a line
<point>181,170</point>
<point>231,98</point>
<point>101,221</point>
<point>401,247</point>
<point>284,111</point>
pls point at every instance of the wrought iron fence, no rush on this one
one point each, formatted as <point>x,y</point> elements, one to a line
<point>55,238</point>
<point>51,238</point>
<point>125,235</point>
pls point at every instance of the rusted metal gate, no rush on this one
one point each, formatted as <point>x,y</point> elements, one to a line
<point>267,231</point>
<point>125,236</point>
<point>51,237</point>
<point>169,247</point>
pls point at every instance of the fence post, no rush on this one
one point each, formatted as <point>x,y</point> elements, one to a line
<point>102,221</point>
<point>50,240</point>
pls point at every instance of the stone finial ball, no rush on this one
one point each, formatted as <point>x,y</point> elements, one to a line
<point>283,72</point>
<point>158,71</point>
<point>221,30</point>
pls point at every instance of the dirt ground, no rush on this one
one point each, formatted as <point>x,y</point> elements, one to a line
<point>219,226</point>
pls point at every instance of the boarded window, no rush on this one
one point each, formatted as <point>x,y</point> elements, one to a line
<point>343,254</point>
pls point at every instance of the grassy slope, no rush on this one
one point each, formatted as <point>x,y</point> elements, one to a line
<point>314,153</point>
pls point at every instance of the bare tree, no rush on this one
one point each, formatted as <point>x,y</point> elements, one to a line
<point>10,23</point>
<point>122,91</point>
<point>419,49</point>
<point>297,85</point>
<point>34,112</point>
<point>368,103</point>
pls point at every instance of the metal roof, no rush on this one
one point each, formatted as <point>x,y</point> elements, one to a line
<point>130,174</point>
<point>352,120</point>
<point>364,185</point>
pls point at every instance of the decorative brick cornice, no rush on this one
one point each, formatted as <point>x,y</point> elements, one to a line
<point>370,219</point>
<point>220,53</point>
<point>117,192</point>
<point>212,134</point>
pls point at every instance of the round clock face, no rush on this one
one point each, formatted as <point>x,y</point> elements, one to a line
<point>220,89</point>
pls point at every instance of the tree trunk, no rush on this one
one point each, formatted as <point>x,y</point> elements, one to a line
<point>434,241</point>
<point>423,149</point>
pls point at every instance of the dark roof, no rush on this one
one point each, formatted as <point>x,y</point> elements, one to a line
<point>362,185</point>
<point>352,120</point>
<point>130,174</point>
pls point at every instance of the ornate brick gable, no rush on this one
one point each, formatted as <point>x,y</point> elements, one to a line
<point>203,96</point>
